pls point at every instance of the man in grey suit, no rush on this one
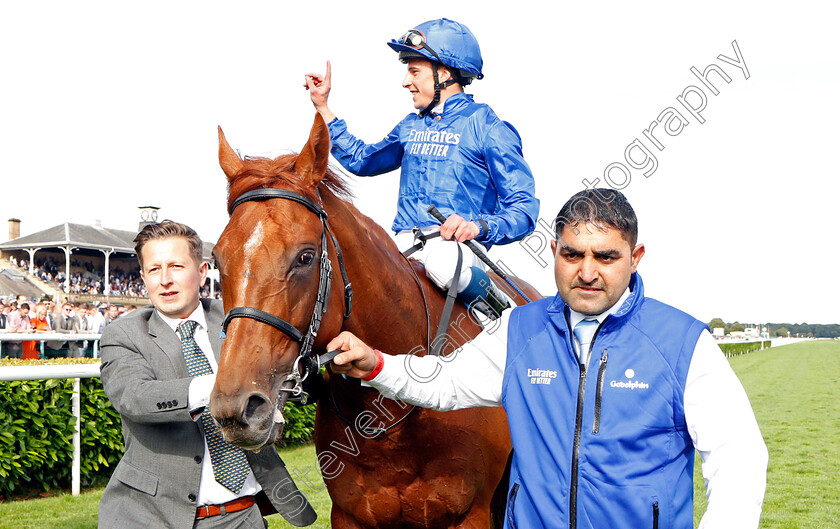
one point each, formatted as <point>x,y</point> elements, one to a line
<point>171,474</point>
<point>65,323</point>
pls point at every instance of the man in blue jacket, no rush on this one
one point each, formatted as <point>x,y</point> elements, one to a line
<point>454,153</point>
<point>608,392</point>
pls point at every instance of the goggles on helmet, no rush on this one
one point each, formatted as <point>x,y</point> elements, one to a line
<point>417,40</point>
<point>413,38</point>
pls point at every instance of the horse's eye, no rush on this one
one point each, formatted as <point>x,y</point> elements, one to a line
<point>306,258</point>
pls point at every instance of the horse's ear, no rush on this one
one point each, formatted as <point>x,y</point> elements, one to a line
<point>312,162</point>
<point>228,159</point>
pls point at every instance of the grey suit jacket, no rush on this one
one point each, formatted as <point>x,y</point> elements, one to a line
<point>72,324</point>
<point>156,482</point>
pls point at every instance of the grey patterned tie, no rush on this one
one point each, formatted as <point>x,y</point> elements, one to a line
<point>229,462</point>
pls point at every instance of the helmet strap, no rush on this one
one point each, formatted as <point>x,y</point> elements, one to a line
<point>436,99</point>
<point>438,87</point>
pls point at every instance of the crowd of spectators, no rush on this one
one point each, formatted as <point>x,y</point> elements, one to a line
<point>121,283</point>
<point>22,315</point>
<point>87,280</point>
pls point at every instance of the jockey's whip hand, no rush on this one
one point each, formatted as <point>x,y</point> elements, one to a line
<point>433,211</point>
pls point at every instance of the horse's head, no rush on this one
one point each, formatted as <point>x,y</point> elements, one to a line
<point>269,259</point>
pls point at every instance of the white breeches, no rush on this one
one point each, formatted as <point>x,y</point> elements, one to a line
<point>440,258</point>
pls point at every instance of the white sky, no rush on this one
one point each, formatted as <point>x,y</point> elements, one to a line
<point>107,106</point>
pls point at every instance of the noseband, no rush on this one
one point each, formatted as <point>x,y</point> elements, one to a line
<point>324,281</point>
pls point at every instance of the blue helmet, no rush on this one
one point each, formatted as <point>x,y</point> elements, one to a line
<point>444,41</point>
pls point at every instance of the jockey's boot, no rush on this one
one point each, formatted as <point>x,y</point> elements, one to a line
<point>493,304</point>
<point>482,295</point>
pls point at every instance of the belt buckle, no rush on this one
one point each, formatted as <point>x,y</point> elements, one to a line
<point>203,512</point>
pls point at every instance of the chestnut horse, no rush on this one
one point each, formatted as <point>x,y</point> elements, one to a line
<point>385,463</point>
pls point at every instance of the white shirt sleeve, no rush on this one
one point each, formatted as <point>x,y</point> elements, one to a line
<point>723,429</point>
<point>199,394</point>
<point>469,377</point>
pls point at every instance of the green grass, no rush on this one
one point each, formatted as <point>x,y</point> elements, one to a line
<point>303,466</point>
<point>794,390</point>
<point>63,511</point>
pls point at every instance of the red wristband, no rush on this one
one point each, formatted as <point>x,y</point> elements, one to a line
<point>380,363</point>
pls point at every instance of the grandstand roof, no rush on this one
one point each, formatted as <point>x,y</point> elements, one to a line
<point>13,282</point>
<point>82,236</point>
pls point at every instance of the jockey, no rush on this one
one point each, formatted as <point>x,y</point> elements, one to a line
<point>454,153</point>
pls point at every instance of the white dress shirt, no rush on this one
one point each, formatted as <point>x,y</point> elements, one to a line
<point>718,414</point>
<point>210,491</point>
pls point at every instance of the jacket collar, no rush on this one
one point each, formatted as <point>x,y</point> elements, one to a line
<point>455,102</point>
<point>557,309</point>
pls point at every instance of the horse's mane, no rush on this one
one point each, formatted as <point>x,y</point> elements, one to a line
<point>259,173</point>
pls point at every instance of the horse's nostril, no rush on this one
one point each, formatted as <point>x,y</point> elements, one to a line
<point>257,408</point>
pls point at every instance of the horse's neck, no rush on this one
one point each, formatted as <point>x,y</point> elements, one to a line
<point>389,311</point>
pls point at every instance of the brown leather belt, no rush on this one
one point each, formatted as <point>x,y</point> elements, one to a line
<point>238,504</point>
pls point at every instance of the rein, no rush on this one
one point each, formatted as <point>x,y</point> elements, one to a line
<point>305,341</point>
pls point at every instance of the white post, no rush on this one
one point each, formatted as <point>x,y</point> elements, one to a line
<point>67,251</point>
<point>107,278</point>
<point>31,252</point>
<point>77,441</point>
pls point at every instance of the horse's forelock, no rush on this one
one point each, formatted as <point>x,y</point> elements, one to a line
<point>259,173</point>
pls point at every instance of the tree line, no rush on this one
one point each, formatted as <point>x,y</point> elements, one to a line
<point>794,330</point>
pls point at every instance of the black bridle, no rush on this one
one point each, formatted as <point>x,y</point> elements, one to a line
<point>305,341</point>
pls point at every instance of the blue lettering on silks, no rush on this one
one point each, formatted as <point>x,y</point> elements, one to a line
<point>431,142</point>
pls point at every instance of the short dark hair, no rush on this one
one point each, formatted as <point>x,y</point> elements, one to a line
<point>602,208</point>
<point>163,230</point>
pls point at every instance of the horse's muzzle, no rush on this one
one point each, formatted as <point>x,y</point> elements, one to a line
<point>252,422</point>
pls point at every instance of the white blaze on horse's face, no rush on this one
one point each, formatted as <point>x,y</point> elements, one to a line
<point>256,238</point>
<point>254,242</point>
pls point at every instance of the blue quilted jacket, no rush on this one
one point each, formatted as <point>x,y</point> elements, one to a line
<point>465,161</point>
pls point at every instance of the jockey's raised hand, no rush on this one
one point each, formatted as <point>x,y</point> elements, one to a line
<point>458,228</point>
<point>319,92</point>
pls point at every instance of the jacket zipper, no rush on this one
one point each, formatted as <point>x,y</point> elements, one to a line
<point>656,515</point>
<point>578,427</point>
<point>596,425</point>
<point>576,449</point>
